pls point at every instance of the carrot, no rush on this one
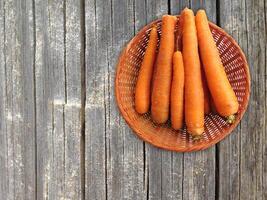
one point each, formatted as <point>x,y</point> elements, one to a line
<point>143,85</point>
<point>162,80</point>
<point>206,93</point>
<point>154,74</point>
<point>212,106</point>
<point>194,95</point>
<point>177,91</point>
<point>222,93</point>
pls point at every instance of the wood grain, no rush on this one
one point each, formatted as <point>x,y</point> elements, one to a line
<point>73,106</point>
<point>198,168</point>
<point>176,6</point>
<point>3,101</point>
<point>61,134</point>
<point>17,105</point>
<point>58,97</point>
<point>164,169</point>
<point>96,75</point>
<point>229,149</point>
<point>243,153</point>
<point>125,160</point>
<point>50,98</point>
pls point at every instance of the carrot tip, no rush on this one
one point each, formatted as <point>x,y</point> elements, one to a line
<point>201,11</point>
<point>231,119</point>
<point>197,137</point>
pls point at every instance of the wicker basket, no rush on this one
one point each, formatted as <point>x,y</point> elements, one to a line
<point>164,136</point>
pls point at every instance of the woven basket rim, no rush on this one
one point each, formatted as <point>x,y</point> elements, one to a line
<point>177,148</point>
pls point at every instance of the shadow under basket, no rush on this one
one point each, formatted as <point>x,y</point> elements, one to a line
<point>163,136</point>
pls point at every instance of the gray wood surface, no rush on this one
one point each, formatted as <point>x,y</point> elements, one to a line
<point>50,99</point>
<point>95,112</point>
<point>58,61</point>
<point>242,156</point>
<point>17,101</point>
<point>61,134</point>
<point>199,167</point>
<point>3,113</point>
<point>164,168</point>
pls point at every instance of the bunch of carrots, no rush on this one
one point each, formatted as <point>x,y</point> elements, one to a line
<point>185,82</point>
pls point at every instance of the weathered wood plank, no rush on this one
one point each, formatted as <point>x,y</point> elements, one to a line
<point>18,125</point>
<point>165,174</point>
<point>58,95</point>
<point>114,157</point>
<point>229,149</point>
<point>97,19</point>
<point>56,185</point>
<point>264,138</point>
<point>199,175</point>
<point>50,99</point>
<point>208,5</point>
<point>155,9</point>
<point>164,169</point>
<point>116,166</point>
<point>74,50</point>
<point>140,14</point>
<point>73,109</point>
<point>125,150</point>
<point>3,101</point>
<point>242,155</point>
<point>177,6</point>
<point>157,173</point>
<point>199,167</point>
<point>72,182</point>
<point>141,19</point>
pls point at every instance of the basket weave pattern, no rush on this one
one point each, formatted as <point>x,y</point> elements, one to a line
<point>164,136</point>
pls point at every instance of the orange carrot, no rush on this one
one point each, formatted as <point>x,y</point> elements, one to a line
<point>154,73</point>
<point>212,106</point>
<point>162,82</point>
<point>143,85</point>
<point>206,93</point>
<point>194,95</point>
<point>222,93</point>
<point>177,91</point>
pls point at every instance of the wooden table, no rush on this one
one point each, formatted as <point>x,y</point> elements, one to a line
<point>61,135</point>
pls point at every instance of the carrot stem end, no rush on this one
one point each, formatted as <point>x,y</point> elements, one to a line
<point>231,119</point>
<point>197,137</point>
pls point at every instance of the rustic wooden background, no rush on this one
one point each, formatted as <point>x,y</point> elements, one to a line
<point>61,135</point>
